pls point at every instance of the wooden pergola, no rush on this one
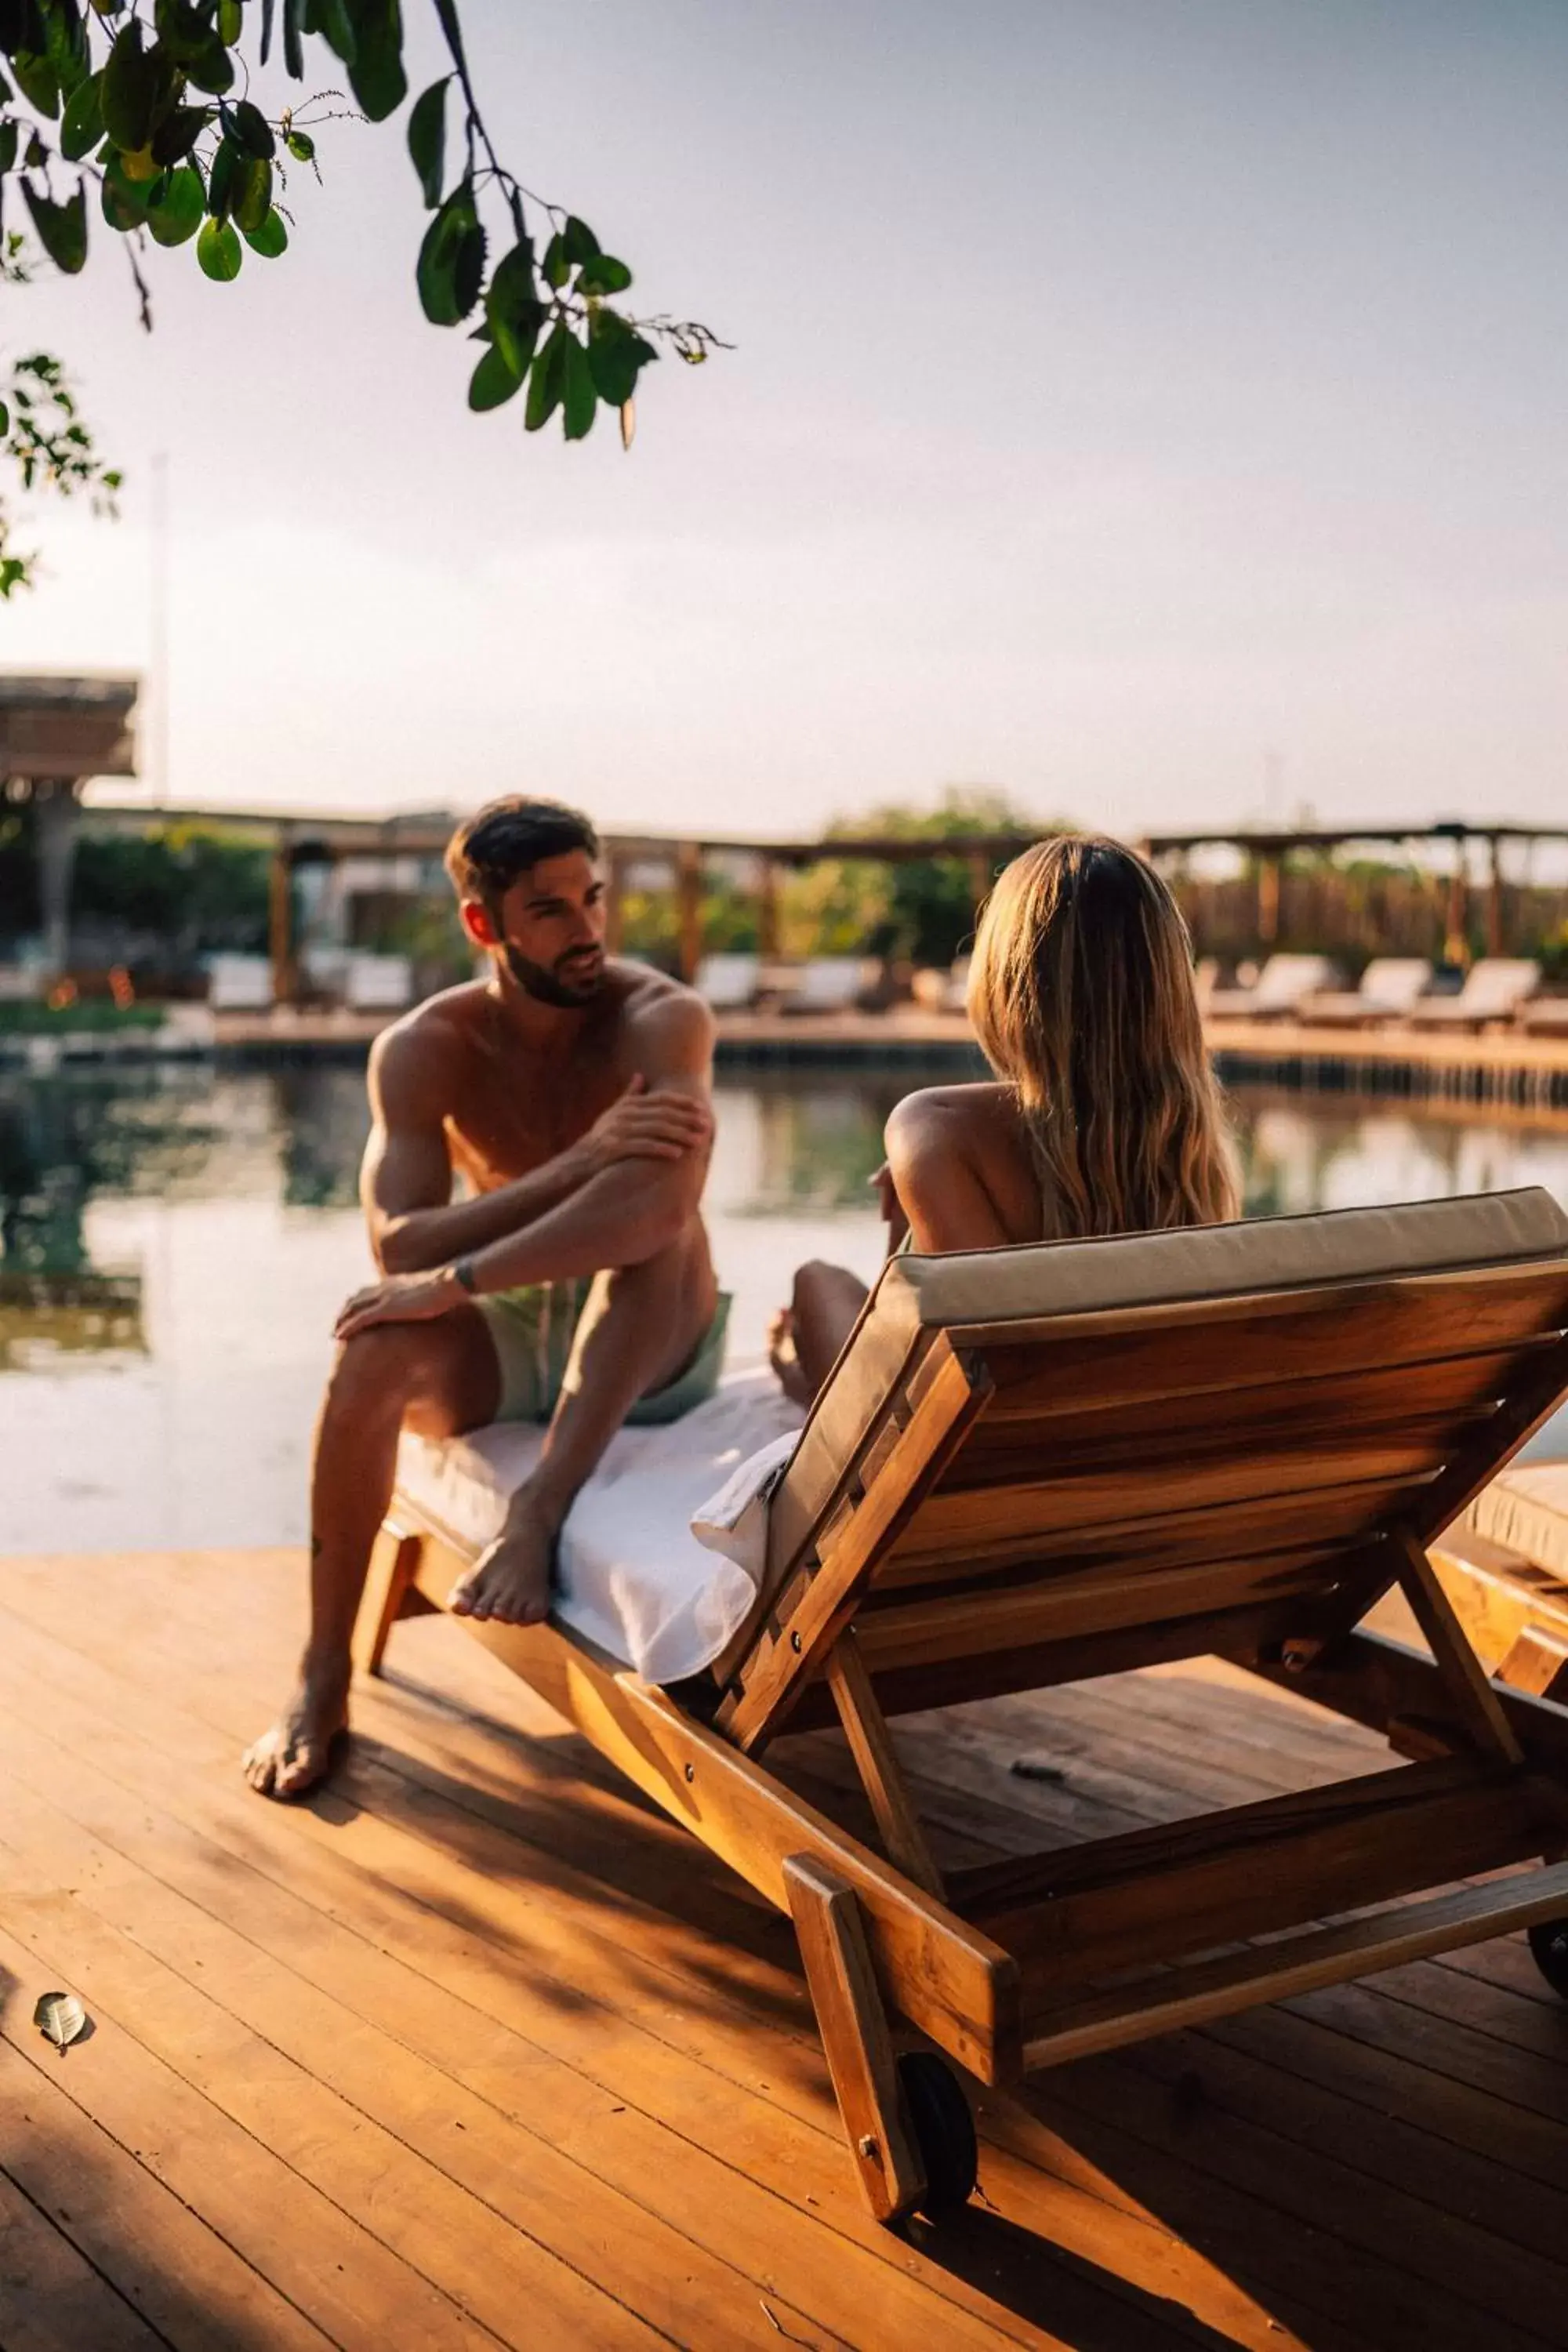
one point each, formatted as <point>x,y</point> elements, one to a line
<point>1267,853</point>
<point>298,840</point>
<point>57,731</point>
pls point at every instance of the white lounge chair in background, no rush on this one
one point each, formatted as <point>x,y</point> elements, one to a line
<point>730,982</point>
<point>831,983</point>
<point>378,983</point>
<point>1278,991</point>
<point>1495,990</point>
<point>240,983</point>
<point>1389,986</point>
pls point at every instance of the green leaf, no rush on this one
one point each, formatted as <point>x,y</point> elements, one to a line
<point>580,243</point>
<point>130,91</point>
<point>547,378</point>
<point>616,356</point>
<point>293,46</point>
<point>219,251</point>
<point>580,398</point>
<point>254,131</point>
<point>513,312</point>
<point>428,140</point>
<point>556,267</point>
<point>494,379</point>
<point>447,271</point>
<point>37,81</point>
<point>377,75</point>
<point>176,211</point>
<point>604,275</point>
<point>270,239</point>
<point>81,126</point>
<point>62,228</point>
<point>213,69</point>
<point>224,178</point>
<point>4,420</point>
<point>65,44</point>
<point>330,19</point>
<point>230,22</point>
<point>301,146</point>
<point>7,144</point>
<point>252,198</point>
<point>124,201</point>
<point>175,138</point>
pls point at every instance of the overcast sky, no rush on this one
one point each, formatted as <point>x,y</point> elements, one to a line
<point>1152,407</point>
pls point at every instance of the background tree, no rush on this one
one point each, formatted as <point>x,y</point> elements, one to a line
<point>141,117</point>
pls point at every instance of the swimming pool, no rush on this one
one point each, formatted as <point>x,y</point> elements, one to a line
<point>176,1243</point>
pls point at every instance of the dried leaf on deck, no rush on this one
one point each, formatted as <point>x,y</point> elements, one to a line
<point>61,2017</point>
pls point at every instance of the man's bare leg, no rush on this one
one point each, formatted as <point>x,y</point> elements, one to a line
<point>640,1329</point>
<point>438,1377</point>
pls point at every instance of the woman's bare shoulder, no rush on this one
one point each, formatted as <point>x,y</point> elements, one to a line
<point>942,1131</point>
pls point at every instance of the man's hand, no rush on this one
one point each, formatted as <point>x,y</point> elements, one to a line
<point>401,1299</point>
<point>640,1126</point>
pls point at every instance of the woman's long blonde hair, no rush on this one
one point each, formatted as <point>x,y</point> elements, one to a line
<point>1080,991</point>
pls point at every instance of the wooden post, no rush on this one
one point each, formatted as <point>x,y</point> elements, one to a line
<point>980,880</point>
<point>1268,900</point>
<point>613,920</point>
<point>768,910</point>
<point>280,925</point>
<point>1494,897</point>
<point>688,910</point>
<point>1456,940</point>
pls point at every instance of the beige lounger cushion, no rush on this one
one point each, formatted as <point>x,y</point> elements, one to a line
<point>1527,1509</point>
<point>983,1289</point>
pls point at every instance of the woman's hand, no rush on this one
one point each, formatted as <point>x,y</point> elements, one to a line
<point>892,1208</point>
<point>401,1299</point>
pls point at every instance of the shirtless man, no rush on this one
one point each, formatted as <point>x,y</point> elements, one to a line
<point>573,1286</point>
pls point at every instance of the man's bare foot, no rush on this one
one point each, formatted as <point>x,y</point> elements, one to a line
<point>508,1584</point>
<point>294,1755</point>
<point>786,1364</point>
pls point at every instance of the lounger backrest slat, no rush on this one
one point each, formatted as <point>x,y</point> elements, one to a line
<point>1148,1429</point>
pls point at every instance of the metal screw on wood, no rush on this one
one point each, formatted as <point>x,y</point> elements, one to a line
<point>867,2148</point>
<point>691,1771</point>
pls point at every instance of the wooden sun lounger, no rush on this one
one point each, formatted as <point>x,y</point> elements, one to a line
<point>1035,1467</point>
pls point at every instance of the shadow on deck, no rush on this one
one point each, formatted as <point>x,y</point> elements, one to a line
<point>477,2048</point>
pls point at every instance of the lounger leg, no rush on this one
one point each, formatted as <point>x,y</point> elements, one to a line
<point>389,1594</point>
<point>853,2029</point>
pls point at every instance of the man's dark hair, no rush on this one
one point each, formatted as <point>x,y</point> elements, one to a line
<point>489,851</point>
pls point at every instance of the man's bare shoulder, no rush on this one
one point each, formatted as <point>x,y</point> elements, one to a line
<point>415,1056</point>
<point>652,1000</point>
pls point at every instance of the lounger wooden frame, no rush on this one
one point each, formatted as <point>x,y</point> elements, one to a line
<point>1045,1500</point>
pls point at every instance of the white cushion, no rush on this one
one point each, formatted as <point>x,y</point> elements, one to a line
<point>634,1578</point>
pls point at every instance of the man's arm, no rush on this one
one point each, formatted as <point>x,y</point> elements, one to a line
<point>407,1179</point>
<point>630,1212</point>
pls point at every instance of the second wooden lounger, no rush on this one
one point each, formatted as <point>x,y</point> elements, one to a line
<point>1034,1466</point>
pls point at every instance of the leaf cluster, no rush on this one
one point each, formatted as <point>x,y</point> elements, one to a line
<point>139,112</point>
<point>42,433</point>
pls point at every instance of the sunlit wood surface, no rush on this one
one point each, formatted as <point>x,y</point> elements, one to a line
<point>474,2050</point>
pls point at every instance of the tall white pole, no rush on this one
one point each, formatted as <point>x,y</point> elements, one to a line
<point>159,611</point>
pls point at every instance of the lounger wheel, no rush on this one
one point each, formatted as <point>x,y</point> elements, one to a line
<point>1548,1950</point>
<point>943,2131</point>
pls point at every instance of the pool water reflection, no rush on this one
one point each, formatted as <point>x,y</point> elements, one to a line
<point>173,1247</point>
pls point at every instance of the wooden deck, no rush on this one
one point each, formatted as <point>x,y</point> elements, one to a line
<point>476,2051</point>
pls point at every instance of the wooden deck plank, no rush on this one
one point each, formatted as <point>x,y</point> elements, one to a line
<point>1125,2260</point>
<point>439,1801</point>
<point>550,2204</point>
<point>330,2266</point>
<point>51,2299</point>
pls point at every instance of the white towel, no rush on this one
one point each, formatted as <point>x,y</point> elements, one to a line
<point>658,1565</point>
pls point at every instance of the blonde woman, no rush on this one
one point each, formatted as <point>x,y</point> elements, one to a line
<point>1104,1115</point>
